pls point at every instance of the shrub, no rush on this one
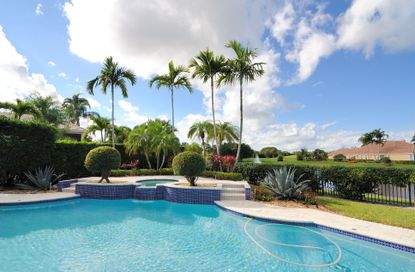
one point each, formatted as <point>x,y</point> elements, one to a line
<point>142,172</point>
<point>319,155</point>
<point>339,157</point>
<point>222,175</point>
<point>269,152</point>
<point>23,146</point>
<point>216,162</point>
<point>283,184</point>
<point>261,193</point>
<point>228,162</point>
<point>231,149</point>
<point>386,160</point>
<point>101,160</point>
<point>280,158</point>
<point>190,165</point>
<point>44,178</point>
<point>252,172</point>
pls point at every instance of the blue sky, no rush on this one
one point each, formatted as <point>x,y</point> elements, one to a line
<point>333,70</point>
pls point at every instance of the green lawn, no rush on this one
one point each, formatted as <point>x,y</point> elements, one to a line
<point>395,216</point>
<point>292,160</point>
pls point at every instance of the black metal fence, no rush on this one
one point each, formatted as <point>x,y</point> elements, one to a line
<point>384,193</point>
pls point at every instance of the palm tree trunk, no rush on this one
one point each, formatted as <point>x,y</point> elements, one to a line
<point>102,136</point>
<point>241,119</point>
<point>112,104</point>
<point>163,160</point>
<point>203,147</point>
<point>77,121</point>
<point>213,116</point>
<point>148,160</point>
<point>172,108</point>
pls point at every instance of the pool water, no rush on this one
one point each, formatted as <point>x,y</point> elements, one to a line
<point>154,182</point>
<point>131,235</point>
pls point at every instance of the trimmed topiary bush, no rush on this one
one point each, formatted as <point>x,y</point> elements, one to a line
<point>190,165</point>
<point>101,160</point>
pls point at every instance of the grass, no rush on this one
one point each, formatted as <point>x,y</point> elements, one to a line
<point>389,215</point>
<point>292,160</point>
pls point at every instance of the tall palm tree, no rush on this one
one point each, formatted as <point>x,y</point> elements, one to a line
<point>100,124</point>
<point>379,138</point>
<point>365,140</point>
<point>114,76</point>
<point>241,68</point>
<point>77,107</point>
<point>20,108</point>
<point>202,131</point>
<point>226,132</point>
<point>207,67</point>
<point>176,78</point>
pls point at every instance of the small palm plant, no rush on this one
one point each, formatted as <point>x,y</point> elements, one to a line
<point>283,184</point>
<point>43,178</point>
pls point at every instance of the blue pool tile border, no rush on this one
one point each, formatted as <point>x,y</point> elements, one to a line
<point>322,227</point>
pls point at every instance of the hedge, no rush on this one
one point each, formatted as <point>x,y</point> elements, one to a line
<point>169,172</point>
<point>24,146</point>
<point>350,182</point>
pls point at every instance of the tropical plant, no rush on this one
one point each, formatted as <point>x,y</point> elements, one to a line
<point>176,78</point>
<point>377,137</point>
<point>155,138</point>
<point>282,183</point>
<point>101,160</point>
<point>121,134</point>
<point>365,140</point>
<point>76,107</point>
<point>190,165</point>
<point>241,68</point>
<point>49,109</point>
<point>43,178</point>
<point>194,147</point>
<point>20,108</point>
<point>114,76</point>
<point>226,132</point>
<point>207,67</point>
<point>100,124</point>
<point>203,131</point>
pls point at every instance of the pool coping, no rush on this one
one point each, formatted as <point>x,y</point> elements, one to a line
<point>309,223</point>
<point>55,197</point>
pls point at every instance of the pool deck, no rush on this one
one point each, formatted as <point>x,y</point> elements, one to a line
<point>383,232</point>
<point>15,199</point>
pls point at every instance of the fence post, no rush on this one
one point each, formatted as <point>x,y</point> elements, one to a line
<point>410,194</point>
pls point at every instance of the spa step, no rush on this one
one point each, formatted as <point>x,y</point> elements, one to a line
<point>69,189</point>
<point>232,196</point>
<point>230,185</point>
<point>233,190</point>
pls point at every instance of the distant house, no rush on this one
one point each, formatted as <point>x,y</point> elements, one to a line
<point>395,150</point>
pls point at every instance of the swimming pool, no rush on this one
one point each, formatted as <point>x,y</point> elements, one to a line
<point>154,182</point>
<point>132,235</point>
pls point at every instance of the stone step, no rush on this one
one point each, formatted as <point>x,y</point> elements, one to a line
<point>69,189</point>
<point>233,190</point>
<point>232,196</point>
<point>233,186</point>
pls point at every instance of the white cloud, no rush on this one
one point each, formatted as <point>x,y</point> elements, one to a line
<point>327,125</point>
<point>62,75</point>
<point>20,82</point>
<point>77,79</point>
<point>94,103</point>
<point>130,116</point>
<point>51,63</point>
<point>39,9</point>
<point>385,23</point>
<point>162,30</point>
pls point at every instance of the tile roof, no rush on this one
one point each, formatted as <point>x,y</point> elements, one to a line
<point>390,147</point>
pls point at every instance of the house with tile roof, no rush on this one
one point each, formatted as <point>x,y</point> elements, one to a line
<point>395,150</point>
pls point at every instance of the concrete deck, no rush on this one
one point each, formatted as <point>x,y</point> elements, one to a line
<point>10,199</point>
<point>383,232</point>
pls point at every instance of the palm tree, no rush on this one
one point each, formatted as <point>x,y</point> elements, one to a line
<point>138,141</point>
<point>77,107</point>
<point>207,66</point>
<point>100,124</point>
<point>202,131</point>
<point>114,76</point>
<point>379,138</point>
<point>176,78</point>
<point>241,68</point>
<point>50,110</point>
<point>226,132</point>
<point>20,108</point>
<point>121,134</point>
<point>366,139</point>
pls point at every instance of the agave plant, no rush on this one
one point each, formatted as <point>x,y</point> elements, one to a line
<point>43,178</point>
<point>283,184</point>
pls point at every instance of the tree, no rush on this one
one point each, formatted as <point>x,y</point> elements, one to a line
<point>176,78</point>
<point>114,76</point>
<point>100,124</point>
<point>20,108</point>
<point>49,109</point>
<point>76,107</point>
<point>379,138</point>
<point>241,68</point>
<point>202,131</point>
<point>207,66</point>
<point>366,139</point>
<point>413,139</point>
<point>121,134</point>
<point>226,132</point>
